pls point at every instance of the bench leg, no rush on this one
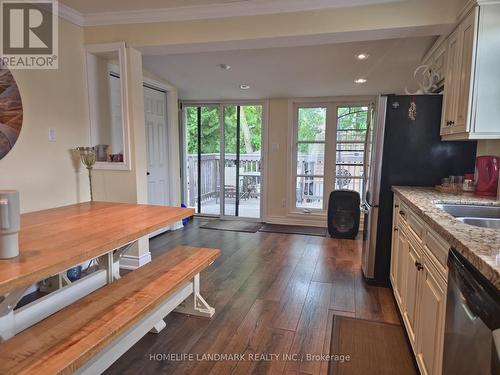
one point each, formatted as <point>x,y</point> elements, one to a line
<point>7,305</point>
<point>195,304</point>
<point>158,327</point>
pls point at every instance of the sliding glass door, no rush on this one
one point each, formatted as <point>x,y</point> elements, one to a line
<point>203,158</point>
<point>223,159</point>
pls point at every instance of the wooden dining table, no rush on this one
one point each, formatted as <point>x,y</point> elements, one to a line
<point>52,241</point>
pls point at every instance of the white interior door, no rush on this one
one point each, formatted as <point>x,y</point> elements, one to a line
<point>156,141</point>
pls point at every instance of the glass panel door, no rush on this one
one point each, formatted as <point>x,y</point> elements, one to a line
<point>310,152</point>
<point>223,173</point>
<point>203,159</point>
<point>352,125</point>
<point>242,160</point>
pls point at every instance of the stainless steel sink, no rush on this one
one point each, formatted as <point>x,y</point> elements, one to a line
<point>477,215</point>
<point>470,210</point>
<point>480,222</point>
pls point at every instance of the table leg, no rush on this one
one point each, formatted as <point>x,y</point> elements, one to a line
<point>111,262</point>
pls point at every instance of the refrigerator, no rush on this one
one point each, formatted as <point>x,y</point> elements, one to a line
<point>407,152</point>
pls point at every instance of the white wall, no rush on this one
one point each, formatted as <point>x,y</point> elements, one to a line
<point>44,171</point>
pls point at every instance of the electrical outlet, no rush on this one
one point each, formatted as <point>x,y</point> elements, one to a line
<point>52,134</point>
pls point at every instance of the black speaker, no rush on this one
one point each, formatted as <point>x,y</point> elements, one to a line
<point>343,214</point>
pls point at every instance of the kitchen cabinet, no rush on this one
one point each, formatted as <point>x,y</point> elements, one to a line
<point>411,288</point>
<point>395,258</point>
<point>435,59</point>
<point>418,278</point>
<point>432,316</point>
<point>471,77</point>
<point>450,92</point>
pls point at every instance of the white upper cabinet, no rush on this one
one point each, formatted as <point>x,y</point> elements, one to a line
<point>472,76</point>
<point>450,92</point>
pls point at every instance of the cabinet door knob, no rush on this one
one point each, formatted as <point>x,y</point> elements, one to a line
<point>419,265</point>
<point>402,213</point>
<point>395,229</point>
<point>452,122</point>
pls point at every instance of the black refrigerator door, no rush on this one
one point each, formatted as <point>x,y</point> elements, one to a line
<point>414,155</point>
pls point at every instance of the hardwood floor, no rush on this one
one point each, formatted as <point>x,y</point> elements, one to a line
<point>272,293</point>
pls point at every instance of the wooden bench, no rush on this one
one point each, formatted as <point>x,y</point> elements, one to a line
<point>89,335</point>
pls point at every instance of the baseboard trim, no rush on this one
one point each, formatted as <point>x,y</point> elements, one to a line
<point>305,221</point>
<point>131,262</point>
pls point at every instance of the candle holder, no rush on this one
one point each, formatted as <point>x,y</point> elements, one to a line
<point>88,158</point>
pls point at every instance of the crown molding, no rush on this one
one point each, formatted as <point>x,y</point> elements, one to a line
<point>71,15</point>
<point>223,10</point>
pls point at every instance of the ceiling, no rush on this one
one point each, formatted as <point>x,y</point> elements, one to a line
<point>96,6</point>
<point>305,71</point>
<point>119,6</point>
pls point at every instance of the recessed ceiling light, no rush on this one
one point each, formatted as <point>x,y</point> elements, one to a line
<point>244,86</point>
<point>224,66</point>
<point>360,80</point>
<point>362,56</point>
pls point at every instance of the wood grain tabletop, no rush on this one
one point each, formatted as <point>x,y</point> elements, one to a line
<point>51,241</point>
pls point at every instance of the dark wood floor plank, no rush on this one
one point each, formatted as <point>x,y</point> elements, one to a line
<point>343,295</point>
<point>273,293</point>
<point>249,336</point>
<point>294,297</point>
<point>312,327</point>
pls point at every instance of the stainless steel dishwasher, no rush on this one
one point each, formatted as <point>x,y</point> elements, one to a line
<point>472,335</point>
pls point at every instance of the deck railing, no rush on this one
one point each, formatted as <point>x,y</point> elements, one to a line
<point>210,174</point>
<point>309,189</point>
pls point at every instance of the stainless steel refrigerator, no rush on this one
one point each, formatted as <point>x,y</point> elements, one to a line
<point>407,152</point>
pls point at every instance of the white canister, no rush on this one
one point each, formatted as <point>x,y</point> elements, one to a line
<point>10,224</point>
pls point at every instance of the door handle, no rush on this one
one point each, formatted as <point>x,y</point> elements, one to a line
<point>469,313</point>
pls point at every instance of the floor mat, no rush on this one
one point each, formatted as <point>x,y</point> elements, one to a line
<point>373,347</point>
<point>294,229</point>
<point>232,225</point>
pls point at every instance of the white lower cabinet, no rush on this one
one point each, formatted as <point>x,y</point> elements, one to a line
<point>431,317</point>
<point>411,290</point>
<point>418,277</point>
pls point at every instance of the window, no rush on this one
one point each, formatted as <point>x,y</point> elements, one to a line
<point>310,151</point>
<point>352,124</point>
<point>329,151</point>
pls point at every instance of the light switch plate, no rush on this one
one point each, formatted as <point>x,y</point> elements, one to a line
<point>52,134</point>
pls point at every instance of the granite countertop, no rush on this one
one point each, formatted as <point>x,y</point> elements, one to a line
<point>479,245</point>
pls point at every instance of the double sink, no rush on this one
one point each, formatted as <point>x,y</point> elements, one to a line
<point>479,216</point>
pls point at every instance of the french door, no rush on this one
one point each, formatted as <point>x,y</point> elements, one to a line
<point>223,159</point>
<point>329,151</point>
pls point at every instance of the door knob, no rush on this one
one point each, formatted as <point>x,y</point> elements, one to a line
<point>419,265</point>
<point>147,173</point>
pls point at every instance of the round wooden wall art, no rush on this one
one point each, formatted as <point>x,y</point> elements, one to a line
<point>11,112</point>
